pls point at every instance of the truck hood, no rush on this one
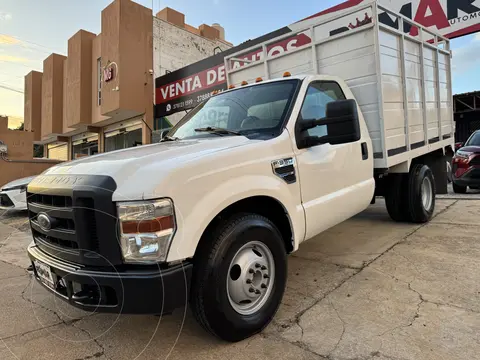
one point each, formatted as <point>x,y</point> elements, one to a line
<point>124,164</point>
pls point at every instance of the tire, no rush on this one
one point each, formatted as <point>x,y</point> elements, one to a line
<point>395,197</point>
<point>457,189</point>
<point>420,204</point>
<point>211,301</point>
<point>449,172</point>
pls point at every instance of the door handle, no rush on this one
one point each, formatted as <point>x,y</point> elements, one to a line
<point>364,151</point>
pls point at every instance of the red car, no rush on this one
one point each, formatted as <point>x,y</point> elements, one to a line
<point>466,165</point>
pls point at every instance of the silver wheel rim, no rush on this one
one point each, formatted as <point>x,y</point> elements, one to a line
<point>250,278</point>
<point>449,171</point>
<point>427,196</point>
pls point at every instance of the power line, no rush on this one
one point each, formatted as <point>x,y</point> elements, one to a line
<point>31,43</point>
<point>18,63</point>
<point>17,76</point>
<point>11,89</point>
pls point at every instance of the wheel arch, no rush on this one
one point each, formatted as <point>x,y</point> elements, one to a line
<point>266,206</point>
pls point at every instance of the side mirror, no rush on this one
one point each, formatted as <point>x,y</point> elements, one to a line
<point>458,145</point>
<point>341,120</point>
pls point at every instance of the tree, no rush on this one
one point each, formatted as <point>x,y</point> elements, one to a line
<point>21,127</point>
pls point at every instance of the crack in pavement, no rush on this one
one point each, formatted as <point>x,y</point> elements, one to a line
<point>417,311</point>
<point>96,341</point>
<point>341,266</point>
<point>455,224</point>
<point>61,320</point>
<point>357,271</point>
<point>28,332</point>
<point>343,328</point>
<point>65,322</point>
<point>7,263</point>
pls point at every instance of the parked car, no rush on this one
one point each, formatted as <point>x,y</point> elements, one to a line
<point>466,165</point>
<point>13,196</point>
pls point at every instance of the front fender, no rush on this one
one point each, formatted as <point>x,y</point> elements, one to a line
<point>193,218</point>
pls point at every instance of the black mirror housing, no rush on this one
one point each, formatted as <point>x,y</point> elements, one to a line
<point>344,126</point>
<point>342,121</point>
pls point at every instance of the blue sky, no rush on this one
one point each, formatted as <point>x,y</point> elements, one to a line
<point>31,29</point>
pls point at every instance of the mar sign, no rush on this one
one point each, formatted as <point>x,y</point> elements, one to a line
<point>451,18</point>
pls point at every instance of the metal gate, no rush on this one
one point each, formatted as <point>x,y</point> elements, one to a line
<point>467,115</point>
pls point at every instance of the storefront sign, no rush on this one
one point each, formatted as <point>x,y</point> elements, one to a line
<point>108,74</point>
<point>187,87</point>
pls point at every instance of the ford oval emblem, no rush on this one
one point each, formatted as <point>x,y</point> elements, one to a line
<point>44,222</point>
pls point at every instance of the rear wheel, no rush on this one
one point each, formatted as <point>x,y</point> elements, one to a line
<point>239,278</point>
<point>421,193</point>
<point>457,189</point>
<point>395,197</point>
<point>411,197</point>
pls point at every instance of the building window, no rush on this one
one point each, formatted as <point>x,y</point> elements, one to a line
<point>57,151</point>
<point>123,135</point>
<point>84,145</point>
<point>99,81</point>
<point>123,139</point>
<point>161,124</point>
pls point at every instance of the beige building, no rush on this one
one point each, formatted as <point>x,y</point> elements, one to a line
<point>16,158</point>
<point>100,97</point>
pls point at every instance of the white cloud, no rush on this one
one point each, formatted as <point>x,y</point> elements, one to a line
<point>9,40</point>
<point>5,16</point>
<point>477,36</point>
<point>466,57</point>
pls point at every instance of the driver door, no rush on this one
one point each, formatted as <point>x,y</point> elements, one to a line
<point>336,180</point>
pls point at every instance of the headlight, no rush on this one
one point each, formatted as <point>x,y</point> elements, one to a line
<point>22,188</point>
<point>146,230</point>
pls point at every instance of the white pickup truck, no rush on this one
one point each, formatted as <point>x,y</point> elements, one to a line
<point>209,215</point>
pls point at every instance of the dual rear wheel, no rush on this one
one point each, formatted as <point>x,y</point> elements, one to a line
<point>411,197</point>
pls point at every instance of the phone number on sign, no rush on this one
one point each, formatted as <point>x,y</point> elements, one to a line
<point>183,104</point>
<point>204,97</point>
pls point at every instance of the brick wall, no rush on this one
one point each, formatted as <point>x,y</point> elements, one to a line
<point>176,47</point>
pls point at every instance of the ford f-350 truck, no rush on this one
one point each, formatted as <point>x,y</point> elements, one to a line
<point>301,141</point>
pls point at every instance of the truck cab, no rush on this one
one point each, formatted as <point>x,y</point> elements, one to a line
<point>209,214</point>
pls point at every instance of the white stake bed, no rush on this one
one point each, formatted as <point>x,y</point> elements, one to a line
<point>401,79</point>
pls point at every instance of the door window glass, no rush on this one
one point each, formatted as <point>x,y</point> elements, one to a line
<point>319,94</point>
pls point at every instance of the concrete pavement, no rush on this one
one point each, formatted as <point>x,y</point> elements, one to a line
<point>366,289</point>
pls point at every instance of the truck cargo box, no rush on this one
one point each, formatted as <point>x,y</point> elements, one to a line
<point>400,76</point>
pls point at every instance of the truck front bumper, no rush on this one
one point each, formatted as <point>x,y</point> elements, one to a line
<point>139,291</point>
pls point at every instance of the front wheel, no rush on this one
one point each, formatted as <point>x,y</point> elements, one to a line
<point>240,274</point>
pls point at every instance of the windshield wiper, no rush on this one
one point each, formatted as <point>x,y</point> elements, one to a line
<point>169,138</point>
<point>219,131</point>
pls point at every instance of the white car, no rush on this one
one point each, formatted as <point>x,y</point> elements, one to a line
<point>13,194</point>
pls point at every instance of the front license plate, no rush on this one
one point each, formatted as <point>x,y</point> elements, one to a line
<point>44,273</point>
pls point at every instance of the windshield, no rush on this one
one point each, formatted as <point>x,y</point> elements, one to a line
<point>474,140</point>
<point>253,111</point>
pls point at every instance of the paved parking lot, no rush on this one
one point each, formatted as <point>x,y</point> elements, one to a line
<point>366,289</point>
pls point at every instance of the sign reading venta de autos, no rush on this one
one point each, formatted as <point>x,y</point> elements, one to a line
<point>187,87</point>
